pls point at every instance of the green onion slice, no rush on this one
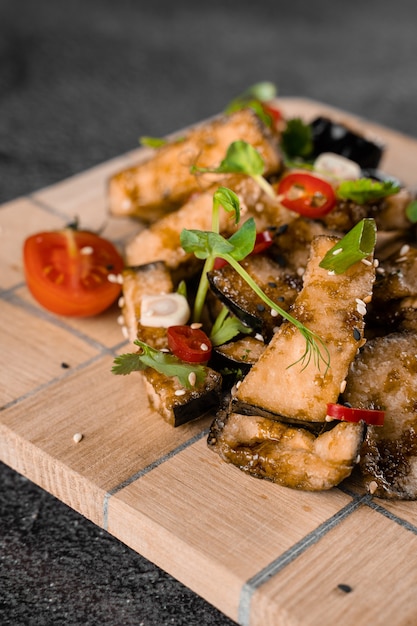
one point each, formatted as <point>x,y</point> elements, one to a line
<point>356,245</point>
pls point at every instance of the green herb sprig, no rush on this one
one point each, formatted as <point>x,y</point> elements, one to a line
<point>364,190</point>
<point>211,245</point>
<point>162,362</point>
<point>241,158</point>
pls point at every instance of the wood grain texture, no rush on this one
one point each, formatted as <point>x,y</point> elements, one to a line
<point>262,554</point>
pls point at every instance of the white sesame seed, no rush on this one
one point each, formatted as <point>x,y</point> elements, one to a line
<point>359,301</point>
<point>401,259</point>
<point>77,437</point>
<point>121,320</point>
<point>192,378</point>
<point>87,250</point>
<point>358,458</point>
<point>366,262</point>
<point>259,337</point>
<point>337,251</point>
<point>119,278</point>
<point>121,302</point>
<point>361,309</point>
<point>300,271</point>
<point>380,270</point>
<point>329,418</point>
<point>196,325</point>
<point>112,278</point>
<point>204,347</point>
<point>331,273</point>
<point>372,487</point>
<point>342,386</point>
<point>274,313</point>
<point>405,249</point>
<point>164,350</point>
<point>179,392</point>
<point>376,263</point>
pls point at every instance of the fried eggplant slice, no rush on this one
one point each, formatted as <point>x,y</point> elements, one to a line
<point>178,405</point>
<point>279,284</point>
<point>384,376</point>
<point>286,454</point>
<point>163,182</point>
<point>281,384</point>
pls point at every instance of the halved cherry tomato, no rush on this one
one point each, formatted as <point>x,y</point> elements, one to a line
<point>306,194</point>
<point>72,272</point>
<point>344,413</point>
<point>189,344</point>
<point>262,242</point>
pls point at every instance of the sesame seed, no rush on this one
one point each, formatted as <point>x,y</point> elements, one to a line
<point>239,382</point>
<point>361,308</point>
<point>337,251</point>
<point>376,263</point>
<point>192,378</point>
<point>366,262</point>
<point>112,278</point>
<point>345,588</point>
<point>401,259</point>
<point>204,347</point>
<point>300,271</point>
<point>372,487</point>
<point>342,386</point>
<point>121,320</point>
<point>119,279</point>
<point>179,392</point>
<point>356,334</point>
<point>121,301</point>
<point>405,249</point>
<point>260,307</point>
<point>77,437</point>
<point>331,273</point>
<point>87,250</point>
<point>196,325</point>
<point>64,365</point>
<point>274,313</point>
<point>329,418</point>
<point>272,284</point>
<point>259,337</point>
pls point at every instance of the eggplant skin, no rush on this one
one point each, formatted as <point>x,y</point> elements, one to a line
<point>384,376</point>
<point>192,404</point>
<point>285,454</point>
<point>330,136</point>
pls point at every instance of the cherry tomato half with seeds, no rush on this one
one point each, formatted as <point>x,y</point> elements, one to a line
<point>306,194</point>
<point>344,413</point>
<point>189,344</point>
<point>72,272</point>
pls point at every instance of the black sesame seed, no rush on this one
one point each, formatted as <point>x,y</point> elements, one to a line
<point>272,284</point>
<point>64,365</point>
<point>280,299</point>
<point>356,334</point>
<point>260,307</point>
<point>345,588</point>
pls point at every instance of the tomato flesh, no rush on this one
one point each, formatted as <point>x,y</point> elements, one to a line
<point>189,344</point>
<point>308,195</point>
<point>344,413</point>
<point>273,112</point>
<point>67,271</point>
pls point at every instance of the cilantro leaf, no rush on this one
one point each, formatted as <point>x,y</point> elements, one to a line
<point>226,327</point>
<point>411,211</point>
<point>364,190</point>
<point>162,362</point>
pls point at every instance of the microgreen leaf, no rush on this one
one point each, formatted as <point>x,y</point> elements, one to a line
<point>241,158</point>
<point>163,362</point>
<point>243,240</point>
<point>365,190</point>
<point>152,142</point>
<point>226,327</point>
<point>356,245</point>
<point>204,243</point>
<point>297,139</point>
<point>229,201</point>
<point>411,211</point>
<point>252,98</point>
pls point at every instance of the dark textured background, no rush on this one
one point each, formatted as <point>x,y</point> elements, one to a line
<point>80,81</point>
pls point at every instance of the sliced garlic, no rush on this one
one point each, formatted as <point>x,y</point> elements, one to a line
<point>337,166</point>
<point>170,309</point>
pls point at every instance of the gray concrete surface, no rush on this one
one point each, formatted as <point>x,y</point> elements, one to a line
<point>79,83</point>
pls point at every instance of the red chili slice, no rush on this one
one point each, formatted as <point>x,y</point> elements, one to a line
<point>306,194</point>
<point>274,113</point>
<point>344,413</point>
<point>189,344</point>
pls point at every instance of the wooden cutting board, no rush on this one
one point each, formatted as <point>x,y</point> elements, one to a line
<point>262,554</point>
